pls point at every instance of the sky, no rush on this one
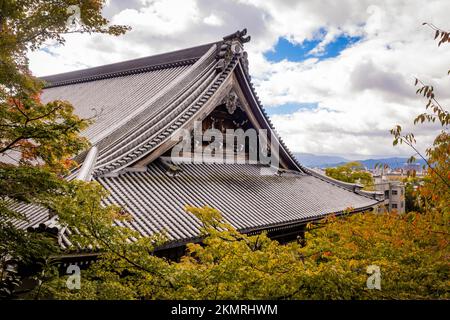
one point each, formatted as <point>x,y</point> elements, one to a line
<point>334,76</point>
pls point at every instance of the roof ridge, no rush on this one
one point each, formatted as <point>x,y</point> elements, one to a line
<point>144,64</point>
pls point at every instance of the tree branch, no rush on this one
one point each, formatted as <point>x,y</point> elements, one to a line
<point>424,159</point>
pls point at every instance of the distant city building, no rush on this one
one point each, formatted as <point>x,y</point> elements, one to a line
<point>394,193</point>
<point>408,169</point>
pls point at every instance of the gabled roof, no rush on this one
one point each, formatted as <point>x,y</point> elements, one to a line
<point>138,104</point>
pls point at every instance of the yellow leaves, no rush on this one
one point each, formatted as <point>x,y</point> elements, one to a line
<point>122,215</point>
<point>351,246</point>
<point>332,265</point>
<point>208,216</point>
<point>349,210</point>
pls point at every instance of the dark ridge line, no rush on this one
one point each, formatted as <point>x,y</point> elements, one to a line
<point>156,62</point>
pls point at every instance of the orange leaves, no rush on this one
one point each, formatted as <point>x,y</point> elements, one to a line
<point>68,163</point>
<point>44,134</point>
<point>327,254</point>
<point>351,246</point>
<point>36,97</point>
<point>444,243</point>
<point>28,149</point>
<point>16,105</point>
<point>398,242</point>
<point>349,209</point>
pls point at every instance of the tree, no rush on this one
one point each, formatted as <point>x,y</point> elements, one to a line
<point>411,250</point>
<point>351,172</point>
<point>37,140</point>
<point>413,201</point>
<point>435,191</point>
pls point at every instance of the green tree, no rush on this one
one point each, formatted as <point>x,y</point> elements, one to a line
<point>37,140</point>
<point>412,197</point>
<point>351,172</point>
<point>412,251</point>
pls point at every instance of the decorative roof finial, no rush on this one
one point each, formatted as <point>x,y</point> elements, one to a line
<point>238,35</point>
<point>232,45</point>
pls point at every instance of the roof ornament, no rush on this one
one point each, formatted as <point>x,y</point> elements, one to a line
<point>230,46</point>
<point>232,102</point>
<point>172,170</point>
<point>239,36</point>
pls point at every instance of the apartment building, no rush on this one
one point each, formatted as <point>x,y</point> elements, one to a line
<point>394,193</point>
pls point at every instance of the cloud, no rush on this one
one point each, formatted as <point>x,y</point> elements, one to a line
<point>358,95</point>
<point>367,76</point>
<point>213,20</point>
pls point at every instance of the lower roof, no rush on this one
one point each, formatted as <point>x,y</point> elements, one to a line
<point>248,199</point>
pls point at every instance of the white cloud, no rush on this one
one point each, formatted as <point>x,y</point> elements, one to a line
<point>361,93</point>
<point>163,18</point>
<point>213,20</point>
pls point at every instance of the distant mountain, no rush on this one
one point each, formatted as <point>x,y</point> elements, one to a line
<point>393,163</point>
<point>311,160</point>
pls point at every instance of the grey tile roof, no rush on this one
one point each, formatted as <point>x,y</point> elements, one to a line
<point>139,104</point>
<point>34,214</point>
<point>247,199</point>
<point>138,111</point>
<point>112,100</point>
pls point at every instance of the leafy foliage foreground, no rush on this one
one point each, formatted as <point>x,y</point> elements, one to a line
<point>411,250</point>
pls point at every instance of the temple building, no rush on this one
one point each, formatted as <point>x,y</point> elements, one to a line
<point>139,105</point>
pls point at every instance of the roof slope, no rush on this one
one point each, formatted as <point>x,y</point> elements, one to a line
<point>110,100</point>
<point>247,199</point>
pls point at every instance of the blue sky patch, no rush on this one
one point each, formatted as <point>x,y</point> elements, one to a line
<point>289,108</point>
<point>47,50</point>
<point>300,52</point>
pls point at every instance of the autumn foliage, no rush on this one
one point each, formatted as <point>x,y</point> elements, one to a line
<point>412,252</point>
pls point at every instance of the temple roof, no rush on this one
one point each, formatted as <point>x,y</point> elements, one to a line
<point>135,112</point>
<point>137,105</point>
<point>247,199</point>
